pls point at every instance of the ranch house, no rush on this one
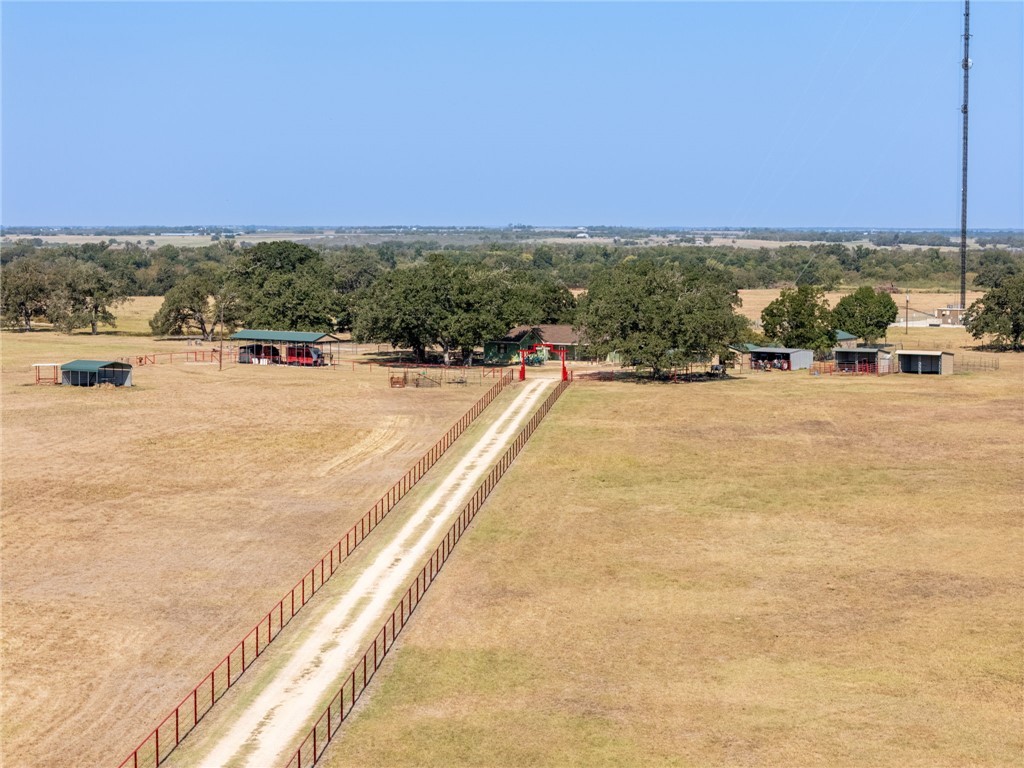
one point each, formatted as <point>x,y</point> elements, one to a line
<point>524,337</point>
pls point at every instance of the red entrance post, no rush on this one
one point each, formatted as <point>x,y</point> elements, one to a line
<point>522,365</point>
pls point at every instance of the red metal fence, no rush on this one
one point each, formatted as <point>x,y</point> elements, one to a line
<point>313,746</point>
<point>155,748</point>
<point>858,368</point>
<point>187,356</point>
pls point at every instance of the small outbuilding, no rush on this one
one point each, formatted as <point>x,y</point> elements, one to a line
<point>874,360</point>
<point>780,359</point>
<point>845,340</point>
<point>89,373</point>
<point>924,361</point>
<point>305,348</point>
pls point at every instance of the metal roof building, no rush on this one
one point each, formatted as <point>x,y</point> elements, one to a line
<point>305,348</point>
<point>924,361</point>
<point>780,358</point>
<point>89,373</point>
<point>874,360</point>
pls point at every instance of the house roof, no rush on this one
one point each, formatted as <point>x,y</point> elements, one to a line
<point>745,346</point>
<point>925,352</point>
<point>844,336</point>
<point>854,350</point>
<point>295,337</point>
<point>549,334</point>
<point>93,366</point>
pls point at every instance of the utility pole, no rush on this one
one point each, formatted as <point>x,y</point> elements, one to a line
<point>906,316</point>
<point>220,357</point>
<point>966,65</point>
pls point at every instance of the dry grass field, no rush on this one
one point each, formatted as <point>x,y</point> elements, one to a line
<point>145,530</point>
<point>756,299</point>
<point>778,569</point>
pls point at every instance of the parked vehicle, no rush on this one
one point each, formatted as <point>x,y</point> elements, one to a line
<point>259,354</point>
<point>303,354</point>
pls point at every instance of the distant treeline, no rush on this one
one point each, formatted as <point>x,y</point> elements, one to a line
<point>152,271</point>
<point>77,285</point>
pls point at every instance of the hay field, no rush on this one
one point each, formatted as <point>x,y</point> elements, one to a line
<point>756,299</point>
<point>778,569</point>
<point>159,240</point>
<point>145,530</point>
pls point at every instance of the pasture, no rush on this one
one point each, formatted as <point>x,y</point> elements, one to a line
<point>756,299</point>
<point>145,530</point>
<point>771,570</point>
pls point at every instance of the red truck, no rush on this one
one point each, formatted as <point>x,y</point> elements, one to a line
<point>304,355</point>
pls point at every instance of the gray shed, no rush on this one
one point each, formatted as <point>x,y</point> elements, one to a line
<point>924,361</point>
<point>780,358</point>
<point>89,373</point>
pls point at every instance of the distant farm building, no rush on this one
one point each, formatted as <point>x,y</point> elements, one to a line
<point>305,348</point>
<point>924,361</point>
<point>780,358</point>
<point>525,337</point>
<point>89,373</point>
<point>741,354</point>
<point>951,314</point>
<point>845,340</point>
<point>863,360</point>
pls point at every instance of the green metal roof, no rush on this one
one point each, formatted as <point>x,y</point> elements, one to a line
<point>295,337</point>
<point>93,366</point>
<point>844,336</point>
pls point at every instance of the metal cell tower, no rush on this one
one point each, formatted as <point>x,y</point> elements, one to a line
<point>966,64</point>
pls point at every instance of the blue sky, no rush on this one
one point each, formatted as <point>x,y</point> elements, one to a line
<point>650,114</point>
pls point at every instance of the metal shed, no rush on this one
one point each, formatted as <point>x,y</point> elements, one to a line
<point>924,361</point>
<point>780,358</point>
<point>89,373</point>
<point>863,360</point>
<point>305,348</point>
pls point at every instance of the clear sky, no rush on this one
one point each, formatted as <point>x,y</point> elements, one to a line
<point>657,114</point>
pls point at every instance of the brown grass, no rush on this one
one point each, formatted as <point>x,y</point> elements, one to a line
<point>145,530</point>
<point>756,299</point>
<point>775,570</point>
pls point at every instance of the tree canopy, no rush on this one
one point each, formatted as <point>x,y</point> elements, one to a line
<point>26,292</point>
<point>454,306</point>
<point>197,304</point>
<point>285,286</point>
<point>865,313</point>
<point>660,316</point>
<point>82,294</point>
<point>800,318</point>
<point>999,313</point>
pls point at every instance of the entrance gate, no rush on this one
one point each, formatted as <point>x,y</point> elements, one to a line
<point>523,353</point>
